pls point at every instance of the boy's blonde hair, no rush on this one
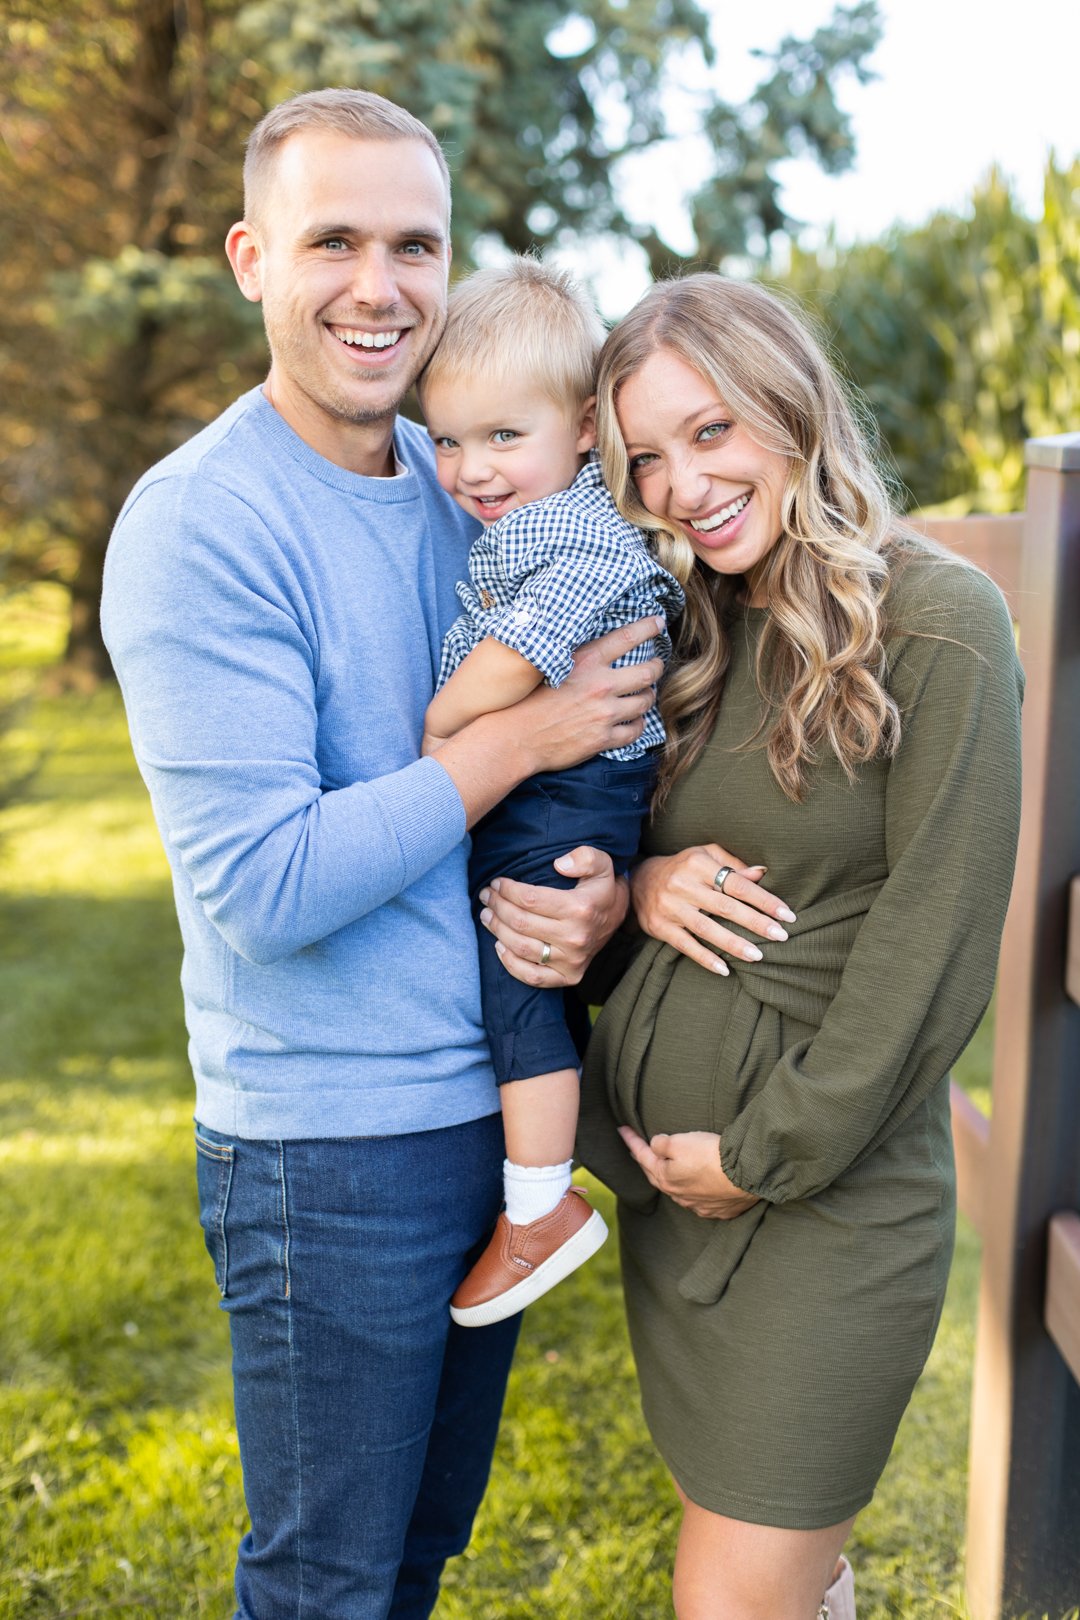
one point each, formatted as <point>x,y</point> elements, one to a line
<point>523,321</point>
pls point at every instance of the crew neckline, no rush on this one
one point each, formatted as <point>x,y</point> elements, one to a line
<point>402,485</point>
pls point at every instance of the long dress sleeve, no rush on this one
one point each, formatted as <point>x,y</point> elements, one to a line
<point>921,970</point>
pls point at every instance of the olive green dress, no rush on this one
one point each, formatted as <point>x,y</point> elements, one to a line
<point>777,1351</point>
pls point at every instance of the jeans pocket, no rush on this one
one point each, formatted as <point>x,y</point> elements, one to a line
<point>214,1163</point>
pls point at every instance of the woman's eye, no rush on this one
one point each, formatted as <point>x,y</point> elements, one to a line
<point>504,436</point>
<point>712,430</point>
<point>640,464</point>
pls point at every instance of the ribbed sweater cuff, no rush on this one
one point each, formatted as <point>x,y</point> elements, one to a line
<point>425,810</point>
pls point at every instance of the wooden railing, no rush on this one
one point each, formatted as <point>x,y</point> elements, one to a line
<point>1019,1171</point>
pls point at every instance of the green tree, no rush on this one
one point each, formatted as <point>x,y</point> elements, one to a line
<point>121,129</point>
<point>964,336</point>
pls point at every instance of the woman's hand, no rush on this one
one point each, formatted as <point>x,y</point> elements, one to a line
<point>675,899</point>
<point>686,1168</point>
<point>572,923</point>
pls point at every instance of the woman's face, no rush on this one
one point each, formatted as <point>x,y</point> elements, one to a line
<point>696,468</point>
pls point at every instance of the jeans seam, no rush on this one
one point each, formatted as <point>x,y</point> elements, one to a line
<point>295,1382</point>
<point>284,1218</point>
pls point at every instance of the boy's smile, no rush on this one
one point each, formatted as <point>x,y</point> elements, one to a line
<point>499,445</point>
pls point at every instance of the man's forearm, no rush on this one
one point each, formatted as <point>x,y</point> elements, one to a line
<point>486,760</point>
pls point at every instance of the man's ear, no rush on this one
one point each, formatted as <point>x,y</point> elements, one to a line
<point>244,253</point>
<point>587,425</point>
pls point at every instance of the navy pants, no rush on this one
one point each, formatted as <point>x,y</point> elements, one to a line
<point>602,802</point>
<point>366,1417</point>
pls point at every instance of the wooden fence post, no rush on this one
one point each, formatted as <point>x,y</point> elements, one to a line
<point>1023,1546</point>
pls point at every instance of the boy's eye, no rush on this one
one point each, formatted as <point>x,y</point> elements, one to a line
<point>713,430</point>
<point>504,436</point>
<point>444,442</point>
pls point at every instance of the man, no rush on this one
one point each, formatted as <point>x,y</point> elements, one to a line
<point>275,597</point>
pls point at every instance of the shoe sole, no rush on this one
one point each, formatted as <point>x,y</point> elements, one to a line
<point>567,1257</point>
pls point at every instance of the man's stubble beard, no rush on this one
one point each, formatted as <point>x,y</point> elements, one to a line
<point>294,358</point>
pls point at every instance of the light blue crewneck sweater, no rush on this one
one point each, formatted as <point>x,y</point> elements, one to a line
<point>276,625</point>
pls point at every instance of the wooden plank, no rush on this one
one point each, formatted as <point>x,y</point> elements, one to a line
<point>1072,953</point>
<point>971,1134</point>
<point>1023,1552</point>
<point>992,543</point>
<point>1063,1287</point>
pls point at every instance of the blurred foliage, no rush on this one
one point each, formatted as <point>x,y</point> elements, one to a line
<point>964,336</point>
<point>121,132</point>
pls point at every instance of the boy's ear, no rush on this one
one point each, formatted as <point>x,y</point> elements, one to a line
<point>587,425</point>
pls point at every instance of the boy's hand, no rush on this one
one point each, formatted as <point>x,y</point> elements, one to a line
<point>573,923</point>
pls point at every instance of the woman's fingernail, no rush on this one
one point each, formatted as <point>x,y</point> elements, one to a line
<point>661,622</point>
<point>773,931</point>
<point>485,917</point>
<point>721,968</point>
<point>785,915</point>
<point>751,953</point>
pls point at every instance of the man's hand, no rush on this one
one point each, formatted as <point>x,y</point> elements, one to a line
<point>686,1168</point>
<point>573,923</point>
<point>597,707</point>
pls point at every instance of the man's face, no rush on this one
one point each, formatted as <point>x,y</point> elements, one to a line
<point>350,262</point>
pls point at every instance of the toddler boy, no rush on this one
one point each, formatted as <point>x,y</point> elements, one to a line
<point>508,399</point>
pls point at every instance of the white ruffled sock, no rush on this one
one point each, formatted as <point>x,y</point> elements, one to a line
<point>532,1191</point>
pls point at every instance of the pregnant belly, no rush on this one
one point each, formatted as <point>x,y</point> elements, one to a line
<point>713,1046</point>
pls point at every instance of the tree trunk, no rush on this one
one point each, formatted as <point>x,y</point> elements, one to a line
<point>85,663</point>
<point>127,393</point>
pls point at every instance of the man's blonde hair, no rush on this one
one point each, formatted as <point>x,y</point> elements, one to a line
<point>360,114</point>
<point>523,321</point>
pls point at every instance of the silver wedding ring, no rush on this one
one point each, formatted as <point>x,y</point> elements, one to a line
<point>721,877</point>
<point>545,955</point>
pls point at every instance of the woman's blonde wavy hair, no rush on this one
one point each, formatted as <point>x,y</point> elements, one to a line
<point>821,659</point>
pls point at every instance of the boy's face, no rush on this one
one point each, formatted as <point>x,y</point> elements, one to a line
<point>499,446</point>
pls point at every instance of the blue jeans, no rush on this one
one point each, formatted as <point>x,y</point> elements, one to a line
<point>602,802</point>
<point>366,1418</point>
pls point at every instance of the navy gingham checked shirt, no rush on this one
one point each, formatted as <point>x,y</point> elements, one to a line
<point>558,572</point>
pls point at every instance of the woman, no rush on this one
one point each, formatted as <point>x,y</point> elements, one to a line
<point>844,707</point>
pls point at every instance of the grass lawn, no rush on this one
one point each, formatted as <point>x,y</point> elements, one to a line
<point>119,1479</point>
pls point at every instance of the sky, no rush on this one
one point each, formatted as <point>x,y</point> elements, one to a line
<point>960,86</point>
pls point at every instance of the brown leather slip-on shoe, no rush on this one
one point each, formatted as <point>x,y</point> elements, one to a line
<point>523,1262</point>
